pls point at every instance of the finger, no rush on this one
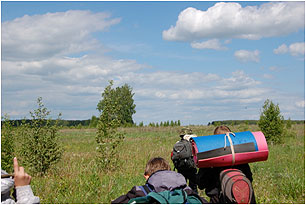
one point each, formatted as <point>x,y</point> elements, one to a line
<point>29,177</point>
<point>21,170</point>
<point>26,176</point>
<point>16,167</point>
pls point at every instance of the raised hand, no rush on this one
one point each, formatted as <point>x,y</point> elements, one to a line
<point>21,178</point>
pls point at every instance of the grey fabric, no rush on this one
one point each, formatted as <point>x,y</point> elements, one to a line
<point>6,184</point>
<point>24,193</point>
<point>167,180</point>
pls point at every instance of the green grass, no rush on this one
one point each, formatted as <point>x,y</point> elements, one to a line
<point>76,180</point>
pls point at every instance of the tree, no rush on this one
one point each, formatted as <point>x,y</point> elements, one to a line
<point>93,121</point>
<point>123,96</point>
<point>289,123</point>
<point>271,122</point>
<point>39,146</point>
<point>108,138</point>
<point>7,145</point>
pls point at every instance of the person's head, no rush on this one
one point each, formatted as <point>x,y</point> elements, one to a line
<point>221,130</point>
<point>154,165</point>
<point>185,131</point>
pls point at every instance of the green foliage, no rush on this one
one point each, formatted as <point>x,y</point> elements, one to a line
<point>75,180</point>
<point>123,97</point>
<point>271,122</point>
<point>217,123</point>
<point>233,122</point>
<point>93,122</point>
<point>288,123</point>
<point>7,145</point>
<point>108,137</point>
<point>244,127</point>
<point>39,143</point>
<point>281,179</point>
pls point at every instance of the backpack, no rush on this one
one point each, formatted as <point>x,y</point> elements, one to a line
<point>181,156</point>
<point>235,187</point>
<point>177,196</point>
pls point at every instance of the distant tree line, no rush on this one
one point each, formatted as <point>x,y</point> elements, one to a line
<point>66,123</point>
<point>249,122</point>
<point>162,124</point>
<point>92,123</point>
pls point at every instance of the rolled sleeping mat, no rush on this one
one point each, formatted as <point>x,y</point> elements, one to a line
<point>229,149</point>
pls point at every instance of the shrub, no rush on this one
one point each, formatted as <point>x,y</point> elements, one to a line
<point>39,146</point>
<point>108,137</point>
<point>7,145</point>
<point>271,122</point>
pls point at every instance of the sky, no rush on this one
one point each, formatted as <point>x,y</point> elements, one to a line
<point>196,62</point>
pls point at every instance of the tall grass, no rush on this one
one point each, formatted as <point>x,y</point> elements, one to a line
<point>76,180</point>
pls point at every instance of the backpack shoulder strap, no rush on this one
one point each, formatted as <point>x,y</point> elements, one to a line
<point>145,189</point>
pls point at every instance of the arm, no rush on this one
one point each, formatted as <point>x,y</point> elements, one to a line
<point>22,183</point>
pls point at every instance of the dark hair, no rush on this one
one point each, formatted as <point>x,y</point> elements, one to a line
<point>221,130</point>
<point>156,164</point>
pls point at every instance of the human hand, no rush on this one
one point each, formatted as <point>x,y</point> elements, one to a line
<point>21,178</point>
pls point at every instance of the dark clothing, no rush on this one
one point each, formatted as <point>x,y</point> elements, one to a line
<point>186,174</point>
<point>208,179</point>
<point>159,181</point>
<point>133,193</point>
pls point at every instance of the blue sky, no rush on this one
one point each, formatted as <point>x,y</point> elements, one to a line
<point>191,61</point>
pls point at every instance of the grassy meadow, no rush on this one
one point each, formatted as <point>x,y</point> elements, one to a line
<point>75,179</point>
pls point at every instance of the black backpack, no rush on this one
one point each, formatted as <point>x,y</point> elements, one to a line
<point>236,188</point>
<point>182,157</point>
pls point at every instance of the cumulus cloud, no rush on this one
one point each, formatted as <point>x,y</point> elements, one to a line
<point>195,86</point>
<point>210,44</point>
<point>52,34</point>
<point>36,61</point>
<point>281,49</point>
<point>245,55</point>
<point>42,62</point>
<point>231,20</point>
<point>295,49</point>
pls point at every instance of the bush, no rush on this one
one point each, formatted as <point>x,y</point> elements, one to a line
<point>39,146</point>
<point>108,137</point>
<point>7,145</point>
<point>271,122</point>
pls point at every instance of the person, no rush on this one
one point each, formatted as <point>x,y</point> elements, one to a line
<point>24,193</point>
<point>159,177</point>
<point>185,134</point>
<point>208,178</point>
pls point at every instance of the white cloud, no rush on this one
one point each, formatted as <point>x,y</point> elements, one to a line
<point>245,55</point>
<point>281,49</point>
<point>231,20</point>
<point>295,49</point>
<point>52,34</point>
<point>209,44</point>
<point>195,86</point>
<point>35,63</point>
<point>40,66</point>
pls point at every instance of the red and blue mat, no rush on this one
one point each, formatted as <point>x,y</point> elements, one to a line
<point>216,150</point>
